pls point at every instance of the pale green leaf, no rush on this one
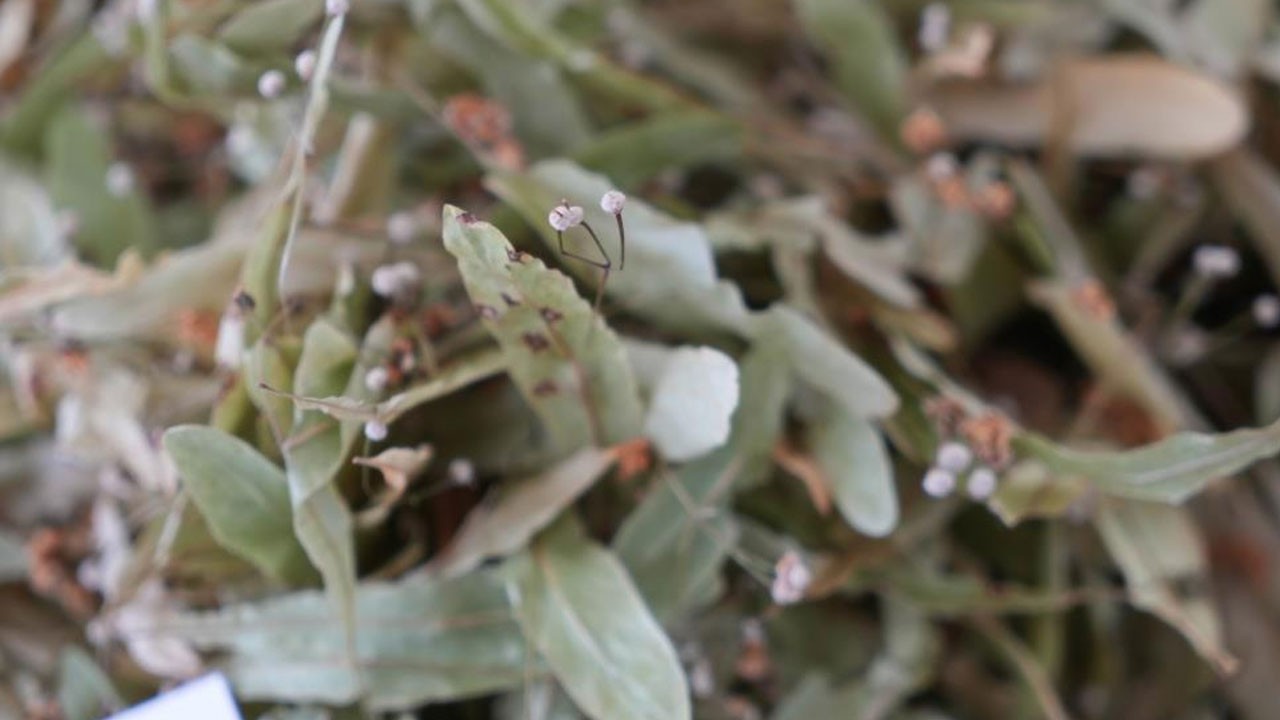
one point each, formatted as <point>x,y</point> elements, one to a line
<point>243,498</point>
<point>855,464</point>
<point>85,692</point>
<point>29,228</point>
<point>1159,549</point>
<point>869,65</point>
<point>578,607</point>
<point>516,511</point>
<point>1170,470</point>
<point>568,364</point>
<point>270,25</point>
<point>419,642</point>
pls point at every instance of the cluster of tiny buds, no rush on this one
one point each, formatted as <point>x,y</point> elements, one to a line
<point>953,460</point>
<point>1216,262</point>
<point>376,431</point>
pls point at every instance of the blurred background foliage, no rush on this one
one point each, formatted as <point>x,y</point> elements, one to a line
<point>941,379</point>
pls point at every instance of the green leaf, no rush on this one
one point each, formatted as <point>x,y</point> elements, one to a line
<point>869,65</point>
<point>78,156</point>
<point>29,232</point>
<point>825,365</point>
<point>41,98</point>
<point>946,241</point>
<point>568,364</point>
<point>676,541</point>
<point>576,604</point>
<point>85,692</point>
<point>1162,555</point>
<point>635,153</point>
<point>515,512</point>
<point>313,455</point>
<point>243,498</point>
<point>855,464</point>
<point>1170,470</point>
<point>13,558</point>
<point>270,25</point>
<point>670,275</point>
<point>420,642</point>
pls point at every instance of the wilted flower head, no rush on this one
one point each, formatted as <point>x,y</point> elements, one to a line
<point>790,579</point>
<point>938,483</point>
<point>271,83</point>
<point>1216,261</point>
<point>564,216</point>
<point>613,201</point>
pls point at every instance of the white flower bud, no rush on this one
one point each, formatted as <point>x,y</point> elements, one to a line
<point>941,166</point>
<point>935,27</point>
<point>954,457</point>
<point>938,483</point>
<point>564,216</point>
<point>271,83</point>
<point>462,472</point>
<point>375,431</point>
<point>228,350</point>
<point>1216,261</point>
<point>376,379</point>
<point>790,580</point>
<point>1266,311</point>
<point>120,179</point>
<point>612,202</point>
<point>982,484</point>
<point>305,64</point>
<point>402,227</point>
<point>392,280</point>
<point>337,7</point>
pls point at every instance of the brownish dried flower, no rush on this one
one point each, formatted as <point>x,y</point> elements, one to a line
<point>923,131</point>
<point>990,435</point>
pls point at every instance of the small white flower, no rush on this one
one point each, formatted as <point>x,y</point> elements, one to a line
<point>982,483</point>
<point>462,472</point>
<point>954,457</point>
<point>941,166</point>
<point>147,10</point>
<point>376,379</point>
<point>271,83</point>
<point>613,201</point>
<point>935,27</point>
<point>1216,261</point>
<point>120,179</point>
<point>337,7</point>
<point>1266,311</point>
<point>396,279</point>
<point>305,64</point>
<point>239,140</point>
<point>790,579</point>
<point>375,431</point>
<point>564,216</point>
<point>402,227</point>
<point>938,483</point>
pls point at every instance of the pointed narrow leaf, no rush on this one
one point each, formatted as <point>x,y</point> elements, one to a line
<point>505,521</point>
<point>576,604</point>
<point>1170,471</point>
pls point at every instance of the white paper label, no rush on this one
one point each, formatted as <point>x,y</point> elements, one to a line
<point>207,698</point>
